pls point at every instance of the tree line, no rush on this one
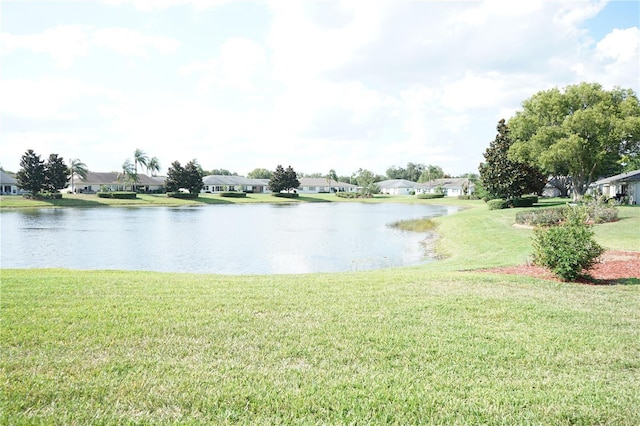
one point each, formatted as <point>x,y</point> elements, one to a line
<point>568,138</point>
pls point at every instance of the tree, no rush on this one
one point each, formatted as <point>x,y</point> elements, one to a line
<point>366,181</point>
<point>332,175</point>
<point>127,175</point>
<point>260,174</point>
<point>188,177</point>
<point>584,132</point>
<point>506,178</point>
<point>55,173</point>
<point>139,157</point>
<point>430,173</point>
<point>283,180</point>
<point>153,166</point>
<point>77,168</point>
<point>193,177</point>
<point>31,175</point>
<point>174,178</point>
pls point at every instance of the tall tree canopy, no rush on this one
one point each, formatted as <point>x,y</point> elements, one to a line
<point>188,177</point>
<point>283,180</point>
<point>260,174</point>
<point>503,177</point>
<point>56,173</point>
<point>31,175</point>
<point>584,132</point>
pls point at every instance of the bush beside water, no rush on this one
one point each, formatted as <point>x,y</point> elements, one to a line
<point>233,194</point>
<point>121,195</point>
<point>429,196</point>
<point>182,195</point>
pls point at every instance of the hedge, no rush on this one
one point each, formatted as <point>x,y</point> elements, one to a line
<point>429,196</point>
<point>233,194</point>
<point>286,194</point>
<point>497,204</point>
<point>121,195</point>
<point>182,195</point>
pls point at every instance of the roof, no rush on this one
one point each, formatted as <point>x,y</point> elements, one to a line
<point>397,183</point>
<point>305,181</point>
<point>447,183</point>
<point>622,177</point>
<point>232,180</point>
<point>7,179</point>
<point>111,178</point>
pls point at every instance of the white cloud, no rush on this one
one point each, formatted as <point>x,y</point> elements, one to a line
<point>62,43</point>
<point>132,43</point>
<point>620,45</point>
<point>240,64</point>
<point>150,5</point>
<point>65,43</point>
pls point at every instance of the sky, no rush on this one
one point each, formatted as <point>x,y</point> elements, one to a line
<point>317,85</point>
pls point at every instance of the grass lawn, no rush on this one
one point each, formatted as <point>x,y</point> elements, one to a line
<point>438,343</point>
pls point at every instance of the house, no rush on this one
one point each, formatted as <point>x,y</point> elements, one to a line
<point>95,181</point>
<point>8,184</point>
<point>224,183</point>
<point>398,187</point>
<point>451,187</point>
<point>623,187</point>
<point>320,185</point>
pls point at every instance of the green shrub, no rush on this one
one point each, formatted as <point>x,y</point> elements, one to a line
<point>286,194</point>
<point>497,204</point>
<point>567,249</point>
<point>429,196</point>
<point>233,194</point>
<point>121,195</point>
<point>468,197</point>
<point>542,217</point>
<point>183,195</point>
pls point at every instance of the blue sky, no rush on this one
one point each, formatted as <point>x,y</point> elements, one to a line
<point>317,85</point>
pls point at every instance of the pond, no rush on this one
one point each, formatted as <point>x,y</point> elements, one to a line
<point>229,239</point>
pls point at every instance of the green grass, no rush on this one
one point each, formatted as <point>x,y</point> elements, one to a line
<point>438,343</point>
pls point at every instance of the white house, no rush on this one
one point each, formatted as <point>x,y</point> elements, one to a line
<point>319,185</point>
<point>8,184</point>
<point>223,183</point>
<point>95,181</point>
<point>398,187</point>
<point>452,187</point>
<point>621,186</point>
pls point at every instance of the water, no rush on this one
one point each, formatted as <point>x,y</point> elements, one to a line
<point>233,239</point>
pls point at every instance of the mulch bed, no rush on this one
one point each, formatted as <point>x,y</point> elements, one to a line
<point>614,267</point>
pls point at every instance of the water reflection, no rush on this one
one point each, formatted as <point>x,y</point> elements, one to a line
<point>225,239</point>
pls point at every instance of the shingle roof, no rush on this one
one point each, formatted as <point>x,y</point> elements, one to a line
<point>7,179</point>
<point>324,182</point>
<point>232,180</point>
<point>397,183</point>
<point>622,177</point>
<point>111,178</point>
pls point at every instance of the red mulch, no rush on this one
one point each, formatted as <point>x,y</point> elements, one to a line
<point>614,267</point>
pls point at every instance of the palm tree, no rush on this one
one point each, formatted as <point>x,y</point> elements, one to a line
<point>128,174</point>
<point>153,166</point>
<point>139,157</point>
<point>77,168</point>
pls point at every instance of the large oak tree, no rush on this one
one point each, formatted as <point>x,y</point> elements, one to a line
<point>583,132</point>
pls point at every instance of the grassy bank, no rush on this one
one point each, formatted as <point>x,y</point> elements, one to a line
<point>439,343</point>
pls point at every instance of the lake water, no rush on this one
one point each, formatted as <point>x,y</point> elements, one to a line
<point>229,239</point>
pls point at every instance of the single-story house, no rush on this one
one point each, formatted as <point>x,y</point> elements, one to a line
<point>318,185</point>
<point>95,181</point>
<point>625,186</point>
<point>224,183</point>
<point>452,187</point>
<point>8,184</point>
<point>398,187</point>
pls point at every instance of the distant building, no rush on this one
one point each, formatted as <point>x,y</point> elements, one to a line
<point>8,184</point>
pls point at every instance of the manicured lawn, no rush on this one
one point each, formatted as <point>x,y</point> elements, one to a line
<point>439,343</point>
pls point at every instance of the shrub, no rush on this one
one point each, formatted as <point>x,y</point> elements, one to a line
<point>183,195</point>
<point>468,197</point>
<point>233,194</point>
<point>497,204</point>
<point>567,249</point>
<point>542,217</point>
<point>286,194</point>
<point>429,196</point>
<point>121,195</point>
